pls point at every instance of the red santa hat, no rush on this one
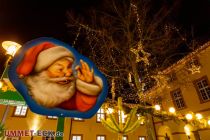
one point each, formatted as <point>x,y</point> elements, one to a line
<point>41,56</point>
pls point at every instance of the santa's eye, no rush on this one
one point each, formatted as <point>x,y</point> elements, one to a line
<point>69,67</point>
<point>60,69</point>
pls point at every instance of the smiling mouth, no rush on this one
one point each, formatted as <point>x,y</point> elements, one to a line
<point>64,82</point>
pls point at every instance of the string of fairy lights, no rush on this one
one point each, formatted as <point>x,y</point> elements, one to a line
<point>192,121</point>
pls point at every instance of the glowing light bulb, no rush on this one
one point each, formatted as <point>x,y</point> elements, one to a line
<point>198,116</point>
<point>187,130</point>
<point>11,47</point>
<point>189,116</point>
<point>1,84</point>
<point>209,122</point>
<point>172,110</point>
<point>157,107</point>
<point>110,111</point>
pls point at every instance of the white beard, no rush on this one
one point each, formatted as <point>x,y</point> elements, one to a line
<point>47,92</point>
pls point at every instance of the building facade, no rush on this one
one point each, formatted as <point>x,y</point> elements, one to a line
<point>188,90</point>
<point>21,119</point>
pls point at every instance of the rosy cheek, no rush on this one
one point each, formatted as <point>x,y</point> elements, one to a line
<point>54,74</point>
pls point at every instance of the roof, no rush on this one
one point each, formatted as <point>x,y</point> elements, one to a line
<point>187,58</point>
<point>201,49</point>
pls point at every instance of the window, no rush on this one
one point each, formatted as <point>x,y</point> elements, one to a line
<point>52,117</point>
<point>100,115</point>
<point>48,138</point>
<point>178,99</point>
<point>78,119</point>
<point>101,137</point>
<point>125,138</point>
<point>20,111</point>
<point>142,138</point>
<point>76,137</point>
<point>203,88</point>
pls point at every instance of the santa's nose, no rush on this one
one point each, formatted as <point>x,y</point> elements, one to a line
<point>68,72</point>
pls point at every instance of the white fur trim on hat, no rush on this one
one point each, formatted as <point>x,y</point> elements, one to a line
<point>49,56</point>
<point>92,89</point>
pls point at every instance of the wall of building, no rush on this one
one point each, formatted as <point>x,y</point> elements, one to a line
<point>184,82</point>
<point>88,128</point>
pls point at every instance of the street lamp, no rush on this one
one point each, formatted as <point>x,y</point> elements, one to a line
<point>11,48</point>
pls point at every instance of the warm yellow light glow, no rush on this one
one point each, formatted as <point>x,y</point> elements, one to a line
<point>172,110</point>
<point>35,124</point>
<point>1,84</point>
<point>209,122</point>
<point>187,130</point>
<point>11,47</point>
<point>157,107</point>
<point>198,116</point>
<point>189,116</point>
<point>110,111</point>
<point>123,115</point>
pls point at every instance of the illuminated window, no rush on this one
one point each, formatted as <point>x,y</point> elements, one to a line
<point>101,137</point>
<point>76,137</point>
<point>100,115</point>
<point>125,138</point>
<point>203,88</point>
<point>142,138</point>
<point>20,111</point>
<point>48,138</point>
<point>52,117</point>
<point>78,119</point>
<point>178,99</point>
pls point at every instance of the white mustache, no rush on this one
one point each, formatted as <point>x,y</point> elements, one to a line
<point>60,79</point>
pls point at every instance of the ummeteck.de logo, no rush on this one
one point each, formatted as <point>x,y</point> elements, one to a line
<point>28,133</point>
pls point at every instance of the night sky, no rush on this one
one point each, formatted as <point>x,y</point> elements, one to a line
<point>23,20</point>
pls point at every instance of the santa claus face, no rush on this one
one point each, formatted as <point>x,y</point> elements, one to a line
<point>61,68</point>
<point>54,85</point>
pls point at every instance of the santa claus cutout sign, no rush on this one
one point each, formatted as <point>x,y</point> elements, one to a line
<point>56,80</point>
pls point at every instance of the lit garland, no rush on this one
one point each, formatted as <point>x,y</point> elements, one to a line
<point>137,116</point>
<point>113,90</point>
<point>120,126</point>
<point>76,38</point>
<point>140,49</point>
<point>193,67</point>
<point>134,7</point>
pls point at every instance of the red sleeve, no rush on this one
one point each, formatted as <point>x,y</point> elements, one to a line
<point>85,102</point>
<point>80,102</point>
<point>69,104</point>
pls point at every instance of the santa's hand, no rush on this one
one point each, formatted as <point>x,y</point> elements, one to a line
<point>84,73</point>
